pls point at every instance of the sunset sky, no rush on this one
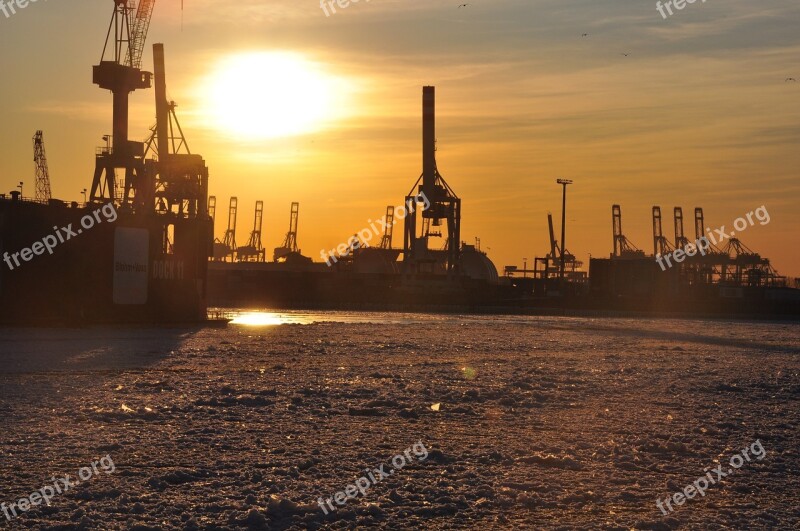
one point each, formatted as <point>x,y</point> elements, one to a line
<point>288,104</point>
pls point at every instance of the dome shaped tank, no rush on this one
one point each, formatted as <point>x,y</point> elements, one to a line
<point>475,264</point>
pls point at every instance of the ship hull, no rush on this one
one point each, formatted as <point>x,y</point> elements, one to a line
<point>113,272</point>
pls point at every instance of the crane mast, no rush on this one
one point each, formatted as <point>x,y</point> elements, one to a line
<point>43,194</point>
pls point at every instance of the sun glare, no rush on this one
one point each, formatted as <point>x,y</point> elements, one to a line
<point>265,319</point>
<point>260,95</point>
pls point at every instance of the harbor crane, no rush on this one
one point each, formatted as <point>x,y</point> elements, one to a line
<point>230,234</point>
<point>550,266</point>
<point>386,241</point>
<point>43,194</point>
<point>623,248</point>
<point>290,243</point>
<point>253,250</point>
<point>121,74</point>
<point>443,205</point>
<point>661,245</point>
<point>681,241</point>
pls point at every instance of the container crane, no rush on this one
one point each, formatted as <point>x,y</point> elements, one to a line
<point>253,250</point>
<point>681,241</point>
<point>386,241</point>
<point>623,248</point>
<point>661,245</point>
<point>230,234</point>
<point>290,243</point>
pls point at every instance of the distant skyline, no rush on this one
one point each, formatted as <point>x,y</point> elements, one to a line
<point>695,109</point>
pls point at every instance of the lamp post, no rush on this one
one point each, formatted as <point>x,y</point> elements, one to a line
<point>563,183</point>
<point>20,189</point>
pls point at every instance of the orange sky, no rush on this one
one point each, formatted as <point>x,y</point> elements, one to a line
<point>699,113</point>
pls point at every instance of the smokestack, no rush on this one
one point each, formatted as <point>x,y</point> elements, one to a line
<point>429,141</point>
<point>162,106</point>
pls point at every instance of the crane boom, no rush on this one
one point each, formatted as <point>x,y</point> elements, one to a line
<point>141,25</point>
<point>42,172</point>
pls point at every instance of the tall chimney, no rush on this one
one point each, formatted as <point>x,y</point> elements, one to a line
<point>429,141</point>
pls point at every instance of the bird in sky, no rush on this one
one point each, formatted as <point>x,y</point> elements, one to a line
<point>462,5</point>
<point>585,35</point>
<point>625,54</point>
<point>790,79</point>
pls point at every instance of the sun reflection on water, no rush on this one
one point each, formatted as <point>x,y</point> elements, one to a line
<point>266,319</point>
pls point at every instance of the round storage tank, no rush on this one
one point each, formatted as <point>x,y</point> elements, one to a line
<point>475,264</point>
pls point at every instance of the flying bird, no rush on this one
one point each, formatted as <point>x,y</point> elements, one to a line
<point>790,79</point>
<point>625,54</point>
<point>462,5</point>
<point>585,35</point>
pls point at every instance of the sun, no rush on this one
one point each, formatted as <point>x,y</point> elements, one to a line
<point>260,95</point>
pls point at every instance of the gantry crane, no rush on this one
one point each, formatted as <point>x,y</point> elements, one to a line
<point>42,172</point>
<point>748,268</point>
<point>688,271</point>
<point>230,234</point>
<point>734,264</point>
<point>551,263</point>
<point>253,250</point>
<point>681,241</point>
<point>661,245</point>
<point>177,180</point>
<point>442,202</point>
<point>623,248</point>
<point>290,243</point>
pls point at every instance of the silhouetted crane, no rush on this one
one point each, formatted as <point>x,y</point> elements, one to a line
<point>42,173</point>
